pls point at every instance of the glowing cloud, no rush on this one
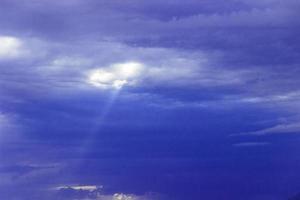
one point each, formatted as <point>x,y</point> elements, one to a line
<point>10,47</point>
<point>122,197</point>
<point>116,76</point>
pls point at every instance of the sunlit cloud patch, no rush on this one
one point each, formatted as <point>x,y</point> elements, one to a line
<point>116,76</point>
<point>10,47</point>
<point>93,192</point>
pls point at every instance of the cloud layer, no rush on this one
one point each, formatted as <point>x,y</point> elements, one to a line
<point>142,96</point>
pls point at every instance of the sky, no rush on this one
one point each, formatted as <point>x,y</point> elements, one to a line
<point>149,100</point>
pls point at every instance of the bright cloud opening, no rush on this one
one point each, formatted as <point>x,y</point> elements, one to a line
<point>10,47</point>
<point>116,76</point>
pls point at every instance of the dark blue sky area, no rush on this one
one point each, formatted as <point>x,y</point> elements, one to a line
<point>149,100</point>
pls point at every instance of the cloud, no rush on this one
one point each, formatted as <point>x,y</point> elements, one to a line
<point>172,63</point>
<point>92,192</point>
<point>78,192</point>
<point>75,67</point>
<point>10,47</point>
<point>24,169</point>
<point>270,16</point>
<point>89,188</point>
<point>9,127</point>
<point>277,129</point>
<point>251,144</point>
<point>18,175</point>
<point>68,66</point>
<point>116,76</point>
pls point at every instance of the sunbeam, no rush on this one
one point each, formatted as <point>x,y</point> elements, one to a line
<point>98,122</point>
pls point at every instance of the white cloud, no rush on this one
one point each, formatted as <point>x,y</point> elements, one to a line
<point>72,66</point>
<point>63,62</point>
<point>112,65</point>
<point>10,47</point>
<point>94,192</point>
<point>89,188</point>
<point>28,48</point>
<point>122,197</point>
<point>116,76</point>
<point>147,196</point>
<point>167,70</point>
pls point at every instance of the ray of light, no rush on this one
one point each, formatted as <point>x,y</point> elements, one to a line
<point>99,121</point>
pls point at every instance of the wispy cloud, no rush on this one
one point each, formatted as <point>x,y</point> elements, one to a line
<point>92,192</point>
<point>251,144</point>
<point>277,129</point>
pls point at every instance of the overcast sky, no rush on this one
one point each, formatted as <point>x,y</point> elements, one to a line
<point>149,100</point>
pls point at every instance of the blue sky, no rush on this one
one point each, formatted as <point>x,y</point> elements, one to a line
<point>149,100</point>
